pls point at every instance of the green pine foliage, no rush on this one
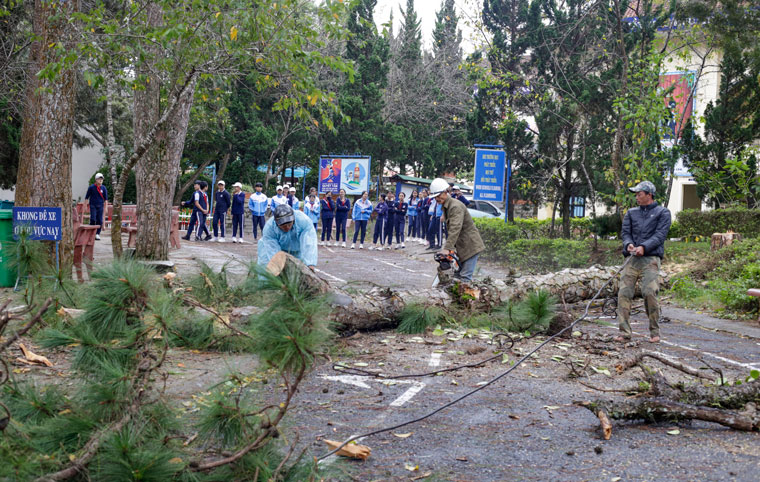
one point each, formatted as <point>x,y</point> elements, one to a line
<point>30,257</point>
<point>416,318</point>
<point>295,328</point>
<point>226,417</point>
<point>532,314</point>
<point>129,455</point>
<point>210,287</point>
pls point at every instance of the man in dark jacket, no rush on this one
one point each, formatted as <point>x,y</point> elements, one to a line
<point>644,231</point>
<point>464,239</point>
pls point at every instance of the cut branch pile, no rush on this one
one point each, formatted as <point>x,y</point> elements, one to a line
<point>711,400</point>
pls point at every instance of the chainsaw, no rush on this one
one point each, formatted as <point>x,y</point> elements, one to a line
<point>448,264</point>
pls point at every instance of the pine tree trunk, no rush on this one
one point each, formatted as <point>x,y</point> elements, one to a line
<point>44,173</point>
<point>157,179</point>
<point>157,171</point>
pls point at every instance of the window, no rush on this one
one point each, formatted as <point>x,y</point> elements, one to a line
<point>577,207</point>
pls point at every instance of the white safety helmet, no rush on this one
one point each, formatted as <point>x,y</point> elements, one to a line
<point>438,186</point>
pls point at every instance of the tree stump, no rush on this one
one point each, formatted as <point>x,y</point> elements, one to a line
<point>719,240</point>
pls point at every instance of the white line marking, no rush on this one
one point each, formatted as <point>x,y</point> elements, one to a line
<point>407,395</point>
<point>355,380</point>
<point>711,355</point>
<point>330,250</point>
<point>397,266</point>
<point>435,359</point>
<point>329,275</point>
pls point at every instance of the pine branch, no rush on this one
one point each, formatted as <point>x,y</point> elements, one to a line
<point>37,318</point>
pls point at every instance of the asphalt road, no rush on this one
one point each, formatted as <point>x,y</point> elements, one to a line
<point>526,426</point>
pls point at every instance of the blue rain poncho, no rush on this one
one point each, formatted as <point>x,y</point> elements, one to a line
<point>300,241</point>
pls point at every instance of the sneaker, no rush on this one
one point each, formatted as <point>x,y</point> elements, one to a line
<point>221,240</point>
<point>380,248</point>
<point>353,246</point>
<point>240,240</point>
<point>361,246</point>
<point>234,240</point>
<point>197,238</point>
<point>370,248</point>
<point>335,244</point>
<point>208,238</point>
<point>343,245</point>
<point>186,238</point>
<point>321,243</point>
<point>403,246</point>
<point>97,236</point>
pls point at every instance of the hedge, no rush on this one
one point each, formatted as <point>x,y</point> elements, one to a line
<point>692,222</point>
<point>495,231</point>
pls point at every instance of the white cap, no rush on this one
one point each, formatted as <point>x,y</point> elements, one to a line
<point>99,176</point>
<point>279,188</point>
<point>221,182</point>
<point>237,184</point>
<point>292,189</point>
<point>456,187</point>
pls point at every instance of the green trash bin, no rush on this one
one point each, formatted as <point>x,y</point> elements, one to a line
<point>7,275</point>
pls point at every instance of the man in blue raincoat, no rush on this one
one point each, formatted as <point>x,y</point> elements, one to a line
<point>290,231</point>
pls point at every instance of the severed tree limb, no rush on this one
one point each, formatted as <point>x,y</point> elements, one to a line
<point>636,361</point>
<point>193,302</point>
<point>21,332</point>
<point>665,409</point>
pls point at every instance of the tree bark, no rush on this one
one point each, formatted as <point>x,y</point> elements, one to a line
<point>44,172</point>
<point>157,171</point>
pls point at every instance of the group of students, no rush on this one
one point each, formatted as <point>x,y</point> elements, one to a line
<point>223,202</point>
<point>424,224</point>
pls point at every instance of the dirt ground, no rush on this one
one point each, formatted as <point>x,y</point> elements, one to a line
<point>524,427</point>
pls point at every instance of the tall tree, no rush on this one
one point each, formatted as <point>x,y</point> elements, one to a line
<point>44,174</point>
<point>361,99</point>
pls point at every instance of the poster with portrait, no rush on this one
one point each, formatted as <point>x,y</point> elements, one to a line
<point>348,173</point>
<point>677,87</point>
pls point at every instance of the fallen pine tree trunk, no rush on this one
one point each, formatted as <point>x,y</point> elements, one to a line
<point>379,307</point>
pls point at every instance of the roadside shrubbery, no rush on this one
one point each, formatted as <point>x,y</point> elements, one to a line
<point>704,223</point>
<point>722,280</point>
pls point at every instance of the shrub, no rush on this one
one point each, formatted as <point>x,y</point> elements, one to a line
<point>704,223</point>
<point>607,225</point>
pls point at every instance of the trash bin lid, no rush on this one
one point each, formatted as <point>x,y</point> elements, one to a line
<point>6,213</point>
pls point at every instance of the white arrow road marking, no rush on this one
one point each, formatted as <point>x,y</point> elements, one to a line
<point>360,381</point>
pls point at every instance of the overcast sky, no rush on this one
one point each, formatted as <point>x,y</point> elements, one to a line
<point>426,9</point>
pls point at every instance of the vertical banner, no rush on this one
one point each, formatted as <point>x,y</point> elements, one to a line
<point>489,175</point>
<point>678,102</point>
<point>348,173</point>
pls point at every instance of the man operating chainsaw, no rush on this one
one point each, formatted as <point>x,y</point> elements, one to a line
<point>464,240</point>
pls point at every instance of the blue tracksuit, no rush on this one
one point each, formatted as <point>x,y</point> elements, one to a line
<point>400,220</point>
<point>237,211</point>
<point>390,222</point>
<point>222,203</point>
<point>361,213</point>
<point>382,216</point>
<point>342,207</point>
<point>202,199</point>
<point>424,221</point>
<point>327,207</point>
<point>97,202</point>
<point>300,241</point>
<point>257,204</point>
<point>434,228</point>
<point>412,213</point>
